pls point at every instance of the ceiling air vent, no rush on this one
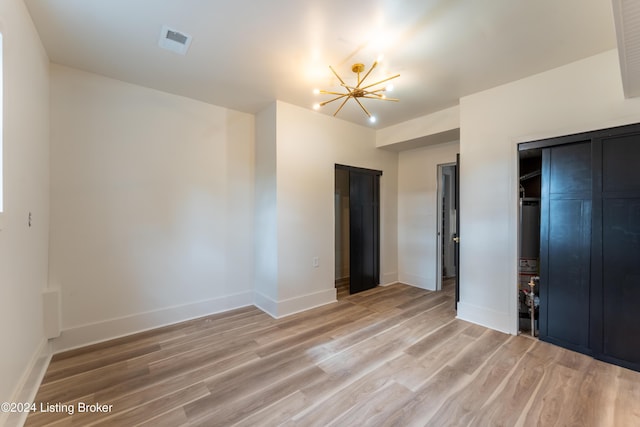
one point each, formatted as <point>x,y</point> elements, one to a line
<point>174,40</point>
<point>627,19</point>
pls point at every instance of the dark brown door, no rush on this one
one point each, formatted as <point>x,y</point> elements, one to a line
<point>364,229</point>
<point>456,236</point>
<point>565,245</point>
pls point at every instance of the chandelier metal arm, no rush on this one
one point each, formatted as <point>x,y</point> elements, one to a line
<point>336,74</point>
<point>362,106</point>
<point>341,105</point>
<point>380,98</point>
<point>326,92</point>
<point>335,93</point>
<point>366,75</point>
<point>322,104</point>
<point>381,81</point>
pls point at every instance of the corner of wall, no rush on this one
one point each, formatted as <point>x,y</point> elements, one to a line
<point>28,384</point>
<point>485,317</point>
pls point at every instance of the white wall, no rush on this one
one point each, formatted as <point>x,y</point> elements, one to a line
<point>308,147</point>
<point>151,207</point>
<point>423,130</point>
<point>23,249</point>
<point>266,218</point>
<point>582,96</point>
<point>418,212</point>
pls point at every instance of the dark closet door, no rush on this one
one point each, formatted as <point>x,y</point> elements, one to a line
<point>565,245</point>
<point>621,249</point>
<point>364,229</point>
<point>457,231</point>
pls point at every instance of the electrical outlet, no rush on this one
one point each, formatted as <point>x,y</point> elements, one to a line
<point>316,262</point>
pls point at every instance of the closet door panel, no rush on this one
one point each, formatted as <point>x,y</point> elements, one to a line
<point>621,244</point>
<point>568,277</point>
<point>621,248</point>
<point>565,245</point>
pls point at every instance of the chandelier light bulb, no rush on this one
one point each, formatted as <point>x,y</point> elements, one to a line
<point>372,119</point>
<point>316,106</point>
<point>316,91</point>
<point>389,88</point>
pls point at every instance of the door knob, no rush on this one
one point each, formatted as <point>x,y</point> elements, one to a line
<point>456,239</point>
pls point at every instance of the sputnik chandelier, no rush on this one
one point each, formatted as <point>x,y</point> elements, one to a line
<point>370,91</point>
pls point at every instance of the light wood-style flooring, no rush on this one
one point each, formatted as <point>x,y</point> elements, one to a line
<point>342,288</point>
<point>391,356</point>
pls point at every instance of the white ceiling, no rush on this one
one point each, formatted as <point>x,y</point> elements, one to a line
<point>247,53</point>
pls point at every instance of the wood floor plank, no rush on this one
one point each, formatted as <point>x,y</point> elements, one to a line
<point>86,383</point>
<point>375,409</point>
<point>338,400</point>
<point>626,399</point>
<point>427,400</point>
<point>277,413</point>
<point>502,407</point>
<point>158,383</point>
<point>462,405</point>
<point>173,418</point>
<point>477,353</point>
<point>212,411</point>
<point>393,355</point>
<point>167,403</point>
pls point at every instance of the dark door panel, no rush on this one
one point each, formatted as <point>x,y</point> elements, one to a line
<point>567,282</point>
<point>565,249</point>
<point>621,249</point>
<point>457,231</point>
<point>621,261</point>
<point>364,229</point>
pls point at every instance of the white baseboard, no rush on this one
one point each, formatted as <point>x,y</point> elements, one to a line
<point>484,317</point>
<point>114,328</point>
<point>389,278</point>
<point>306,302</point>
<point>417,281</point>
<point>266,304</point>
<point>390,283</point>
<point>28,385</point>
<point>287,307</point>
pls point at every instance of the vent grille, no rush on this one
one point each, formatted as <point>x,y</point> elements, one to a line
<point>627,20</point>
<point>174,40</point>
<point>177,37</point>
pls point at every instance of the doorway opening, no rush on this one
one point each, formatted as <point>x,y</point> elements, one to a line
<point>446,264</point>
<point>341,206</point>
<point>530,173</point>
<point>357,229</point>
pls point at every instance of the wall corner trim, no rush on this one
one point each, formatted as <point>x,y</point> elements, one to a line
<point>29,384</point>
<point>287,307</point>
<point>482,316</point>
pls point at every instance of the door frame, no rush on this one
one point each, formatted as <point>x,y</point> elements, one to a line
<point>439,218</point>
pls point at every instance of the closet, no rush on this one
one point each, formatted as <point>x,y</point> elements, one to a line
<point>590,243</point>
